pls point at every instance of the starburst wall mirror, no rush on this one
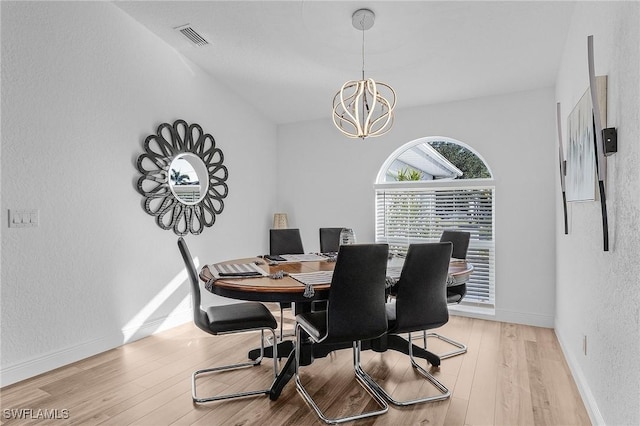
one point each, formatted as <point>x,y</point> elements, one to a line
<point>183,180</point>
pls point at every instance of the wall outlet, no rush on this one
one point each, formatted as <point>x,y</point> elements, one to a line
<point>584,345</point>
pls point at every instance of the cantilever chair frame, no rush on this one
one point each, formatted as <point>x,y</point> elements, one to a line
<point>361,376</point>
<point>344,283</point>
<point>441,253</point>
<point>445,393</point>
<point>461,347</point>
<point>237,366</point>
<point>460,240</point>
<point>199,316</point>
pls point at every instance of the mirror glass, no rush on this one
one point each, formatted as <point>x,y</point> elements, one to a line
<point>182,178</point>
<point>188,178</point>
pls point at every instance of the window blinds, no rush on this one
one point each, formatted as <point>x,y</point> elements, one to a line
<point>406,215</point>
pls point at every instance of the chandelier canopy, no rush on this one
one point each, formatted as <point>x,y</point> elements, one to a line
<point>364,108</point>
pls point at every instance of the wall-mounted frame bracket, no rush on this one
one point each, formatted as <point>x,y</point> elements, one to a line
<point>610,138</point>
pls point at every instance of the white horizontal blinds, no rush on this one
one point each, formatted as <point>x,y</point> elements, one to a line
<point>408,214</point>
<point>480,284</point>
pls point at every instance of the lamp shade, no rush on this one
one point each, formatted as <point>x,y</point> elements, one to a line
<point>280,221</point>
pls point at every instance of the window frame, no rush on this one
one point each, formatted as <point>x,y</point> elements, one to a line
<point>426,186</point>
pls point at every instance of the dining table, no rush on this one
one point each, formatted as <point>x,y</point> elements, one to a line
<point>277,284</point>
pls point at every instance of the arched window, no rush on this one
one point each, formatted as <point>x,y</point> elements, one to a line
<point>437,183</point>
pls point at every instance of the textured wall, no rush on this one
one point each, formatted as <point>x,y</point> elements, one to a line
<point>598,295</point>
<point>514,134</point>
<point>82,86</point>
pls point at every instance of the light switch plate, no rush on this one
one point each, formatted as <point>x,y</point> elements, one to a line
<point>24,218</point>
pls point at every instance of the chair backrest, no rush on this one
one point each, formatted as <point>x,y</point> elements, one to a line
<point>330,240</point>
<point>421,301</point>
<point>460,240</point>
<point>285,241</point>
<point>356,309</point>
<point>199,316</point>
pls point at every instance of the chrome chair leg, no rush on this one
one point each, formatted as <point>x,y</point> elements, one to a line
<point>282,323</point>
<point>462,348</point>
<point>282,334</point>
<point>356,362</point>
<point>199,400</point>
<point>444,392</point>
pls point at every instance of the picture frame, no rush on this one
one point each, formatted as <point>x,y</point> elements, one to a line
<point>581,168</point>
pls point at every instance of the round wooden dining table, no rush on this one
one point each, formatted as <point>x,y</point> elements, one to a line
<point>270,289</point>
<point>287,289</point>
<point>279,286</point>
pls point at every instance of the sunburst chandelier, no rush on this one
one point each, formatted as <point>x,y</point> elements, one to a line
<point>360,108</point>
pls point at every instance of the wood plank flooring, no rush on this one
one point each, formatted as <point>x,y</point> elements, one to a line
<point>511,375</point>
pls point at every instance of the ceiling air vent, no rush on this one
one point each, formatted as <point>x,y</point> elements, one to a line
<point>192,35</point>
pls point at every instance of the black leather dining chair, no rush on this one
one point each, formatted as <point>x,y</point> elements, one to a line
<point>285,241</point>
<point>460,241</point>
<point>329,243</point>
<point>227,319</point>
<point>355,312</point>
<point>455,293</point>
<point>330,240</point>
<point>420,304</point>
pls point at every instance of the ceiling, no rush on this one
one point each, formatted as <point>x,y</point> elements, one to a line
<point>288,58</point>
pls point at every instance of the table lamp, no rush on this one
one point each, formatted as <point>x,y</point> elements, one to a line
<point>280,221</point>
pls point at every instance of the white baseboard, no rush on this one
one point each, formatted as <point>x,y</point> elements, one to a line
<point>470,311</point>
<point>581,382</point>
<point>527,318</point>
<point>58,358</point>
<point>502,315</point>
<point>136,332</point>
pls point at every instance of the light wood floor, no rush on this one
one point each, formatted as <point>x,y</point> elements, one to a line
<point>511,375</point>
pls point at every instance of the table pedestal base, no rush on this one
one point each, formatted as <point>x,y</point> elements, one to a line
<point>284,349</point>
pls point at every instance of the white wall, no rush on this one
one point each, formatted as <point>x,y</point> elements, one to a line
<point>82,86</point>
<point>598,295</point>
<point>326,179</point>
